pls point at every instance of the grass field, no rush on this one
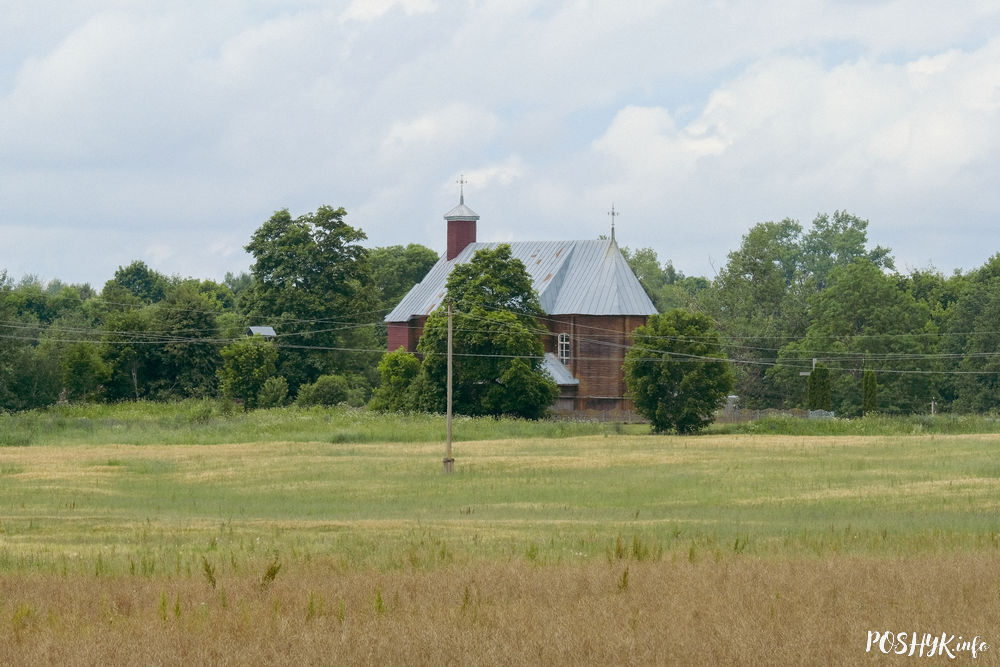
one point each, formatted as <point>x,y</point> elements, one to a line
<point>601,548</point>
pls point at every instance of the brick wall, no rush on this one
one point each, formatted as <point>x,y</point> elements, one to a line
<point>597,351</point>
<point>406,334</point>
<point>460,234</point>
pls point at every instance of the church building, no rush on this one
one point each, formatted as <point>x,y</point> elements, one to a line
<point>591,298</point>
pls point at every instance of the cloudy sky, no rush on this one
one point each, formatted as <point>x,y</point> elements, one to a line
<point>169,131</point>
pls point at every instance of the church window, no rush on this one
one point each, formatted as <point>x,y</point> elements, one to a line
<point>564,348</point>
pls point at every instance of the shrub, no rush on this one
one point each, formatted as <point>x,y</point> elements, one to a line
<point>273,393</point>
<point>397,371</point>
<point>247,366</point>
<point>326,390</point>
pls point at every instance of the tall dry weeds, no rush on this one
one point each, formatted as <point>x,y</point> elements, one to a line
<point>734,611</point>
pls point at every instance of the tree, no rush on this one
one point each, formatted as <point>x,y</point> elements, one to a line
<point>247,365</point>
<point>34,379</point>
<point>665,286</point>
<point>676,371</point>
<point>313,283</point>
<point>237,283</point>
<point>974,338</point>
<point>819,397</point>
<point>396,269</point>
<point>863,319</point>
<point>129,350</point>
<point>397,370</point>
<point>84,372</point>
<point>30,353</point>
<point>497,346</point>
<point>495,281</point>
<point>140,281</point>
<point>762,296</point>
<point>273,393</point>
<point>838,241</point>
<point>645,264</point>
<point>869,392</point>
<point>186,356</point>
<point>758,299</point>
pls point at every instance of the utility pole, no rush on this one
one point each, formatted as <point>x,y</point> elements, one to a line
<point>449,462</point>
<point>806,374</point>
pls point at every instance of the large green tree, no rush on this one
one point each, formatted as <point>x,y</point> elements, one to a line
<point>140,281</point>
<point>313,283</point>
<point>498,350</point>
<point>29,375</point>
<point>185,354</point>
<point>666,287</point>
<point>758,301</point>
<point>838,240</point>
<point>130,347</point>
<point>39,324</point>
<point>676,371</point>
<point>864,320</point>
<point>397,268</point>
<point>761,297</point>
<point>973,326</point>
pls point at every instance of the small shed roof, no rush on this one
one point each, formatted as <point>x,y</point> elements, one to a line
<point>266,332</point>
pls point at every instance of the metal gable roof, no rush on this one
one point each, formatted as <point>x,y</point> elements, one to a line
<point>571,278</point>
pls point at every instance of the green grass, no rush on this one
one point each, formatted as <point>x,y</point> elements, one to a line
<point>870,425</point>
<point>215,422</point>
<point>162,509</point>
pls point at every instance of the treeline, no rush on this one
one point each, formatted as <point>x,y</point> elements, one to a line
<point>789,299</point>
<point>147,336</point>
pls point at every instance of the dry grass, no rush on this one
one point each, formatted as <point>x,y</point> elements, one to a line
<point>590,550</point>
<point>730,611</point>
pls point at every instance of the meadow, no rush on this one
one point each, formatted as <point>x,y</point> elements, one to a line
<point>133,533</point>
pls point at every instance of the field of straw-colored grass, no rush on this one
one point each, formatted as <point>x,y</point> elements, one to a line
<point>734,611</point>
<point>723,549</point>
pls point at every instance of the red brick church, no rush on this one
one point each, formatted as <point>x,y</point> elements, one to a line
<point>591,296</point>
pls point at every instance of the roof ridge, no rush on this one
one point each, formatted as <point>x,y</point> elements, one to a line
<point>583,277</point>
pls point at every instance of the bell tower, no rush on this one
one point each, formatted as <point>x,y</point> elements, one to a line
<point>461,224</point>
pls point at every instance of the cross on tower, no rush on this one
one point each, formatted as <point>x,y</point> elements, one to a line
<point>613,213</point>
<point>461,188</point>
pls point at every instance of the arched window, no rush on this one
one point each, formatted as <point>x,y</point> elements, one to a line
<point>564,348</point>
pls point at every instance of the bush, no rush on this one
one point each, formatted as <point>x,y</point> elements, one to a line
<point>397,371</point>
<point>326,390</point>
<point>273,393</point>
<point>247,366</point>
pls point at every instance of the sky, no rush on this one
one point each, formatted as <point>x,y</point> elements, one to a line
<point>168,132</point>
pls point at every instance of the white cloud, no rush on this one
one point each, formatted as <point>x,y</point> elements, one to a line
<point>455,125</point>
<point>180,124</point>
<point>497,174</point>
<point>369,10</point>
<point>916,125</point>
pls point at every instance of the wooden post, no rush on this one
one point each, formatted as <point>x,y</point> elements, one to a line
<point>449,462</point>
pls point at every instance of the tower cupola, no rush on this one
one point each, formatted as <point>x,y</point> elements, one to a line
<point>461,225</point>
